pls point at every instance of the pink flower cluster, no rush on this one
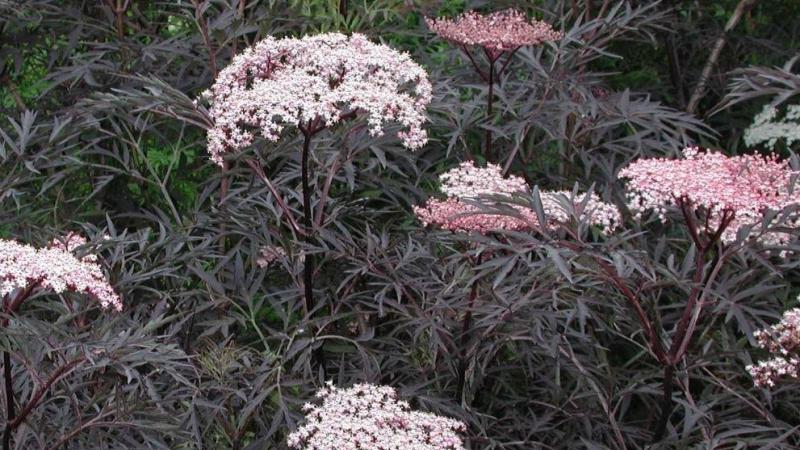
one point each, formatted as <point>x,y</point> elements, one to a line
<point>599,213</point>
<point>71,242</point>
<point>324,77</point>
<point>466,184</point>
<point>54,268</point>
<point>468,181</point>
<point>460,216</point>
<point>269,254</point>
<point>366,416</point>
<point>496,32</point>
<point>739,188</point>
<point>468,187</point>
<point>783,339</point>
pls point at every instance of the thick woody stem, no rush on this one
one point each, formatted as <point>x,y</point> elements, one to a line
<point>683,332</point>
<point>691,224</point>
<point>313,127</point>
<point>702,83</point>
<point>224,184</point>
<point>119,8</point>
<point>692,310</point>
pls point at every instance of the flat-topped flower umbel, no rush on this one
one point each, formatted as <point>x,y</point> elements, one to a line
<point>469,187</point>
<point>767,128</point>
<point>24,271</point>
<point>314,82</point>
<point>732,191</point>
<point>782,340</point>
<point>464,186</point>
<point>24,268</point>
<point>366,416</point>
<point>496,32</point>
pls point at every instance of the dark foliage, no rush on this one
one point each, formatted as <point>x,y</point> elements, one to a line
<point>101,134</point>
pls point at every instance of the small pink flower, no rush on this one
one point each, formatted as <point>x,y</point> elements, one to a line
<point>76,244</point>
<point>496,32</point>
<point>742,187</point>
<point>469,190</point>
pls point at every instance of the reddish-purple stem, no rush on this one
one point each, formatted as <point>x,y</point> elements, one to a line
<point>473,295</point>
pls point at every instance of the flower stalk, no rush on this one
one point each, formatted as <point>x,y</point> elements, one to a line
<point>497,34</point>
<point>311,84</point>
<point>717,197</point>
<point>308,266</point>
<point>465,327</point>
<point>23,271</point>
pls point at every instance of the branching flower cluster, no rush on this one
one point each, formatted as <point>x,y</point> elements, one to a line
<point>783,339</point>
<point>320,78</point>
<point>599,213</point>
<point>269,254</point>
<point>465,185</point>
<point>366,416</point>
<point>76,244</point>
<point>496,32</point>
<point>468,181</point>
<point>733,191</point>
<point>471,190</point>
<point>24,268</point>
<point>767,128</point>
